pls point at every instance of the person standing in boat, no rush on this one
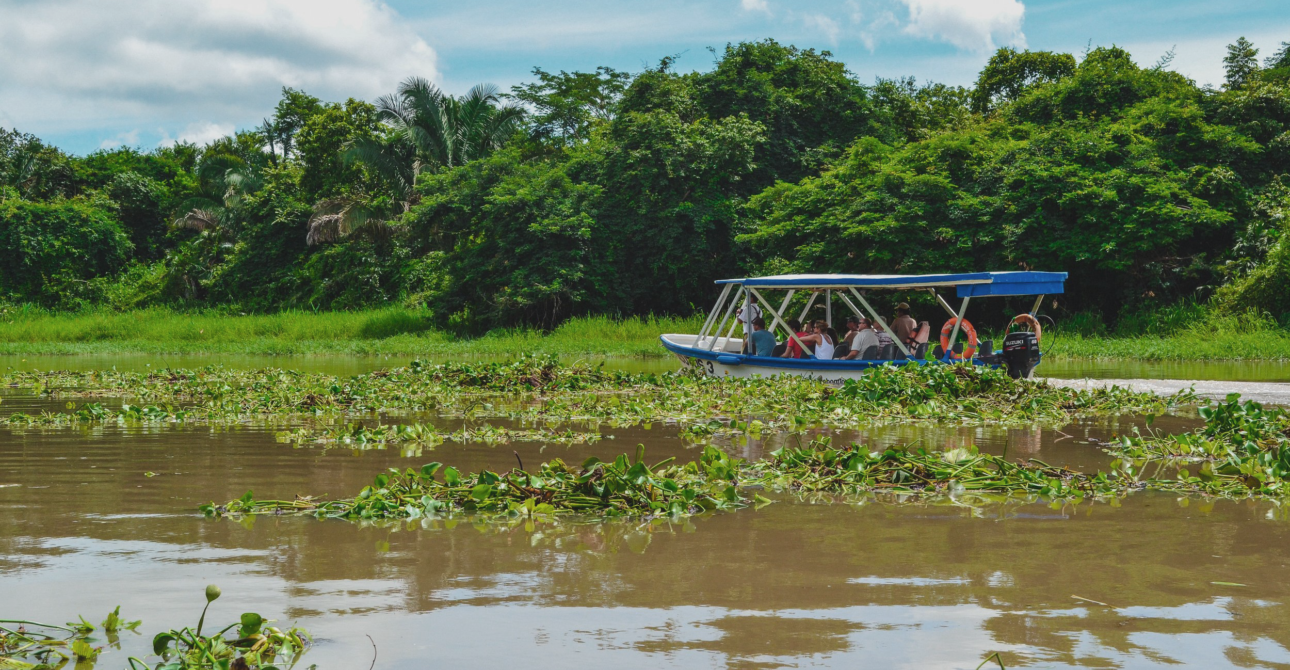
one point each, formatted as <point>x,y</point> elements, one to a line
<point>903,327</point>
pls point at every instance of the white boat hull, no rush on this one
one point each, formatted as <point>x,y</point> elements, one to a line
<point>723,359</point>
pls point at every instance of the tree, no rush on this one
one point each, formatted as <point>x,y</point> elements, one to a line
<point>291,114</point>
<point>1241,63</point>
<point>567,105</point>
<point>1279,59</point>
<point>808,104</point>
<point>1010,73</point>
<point>427,130</point>
<point>50,250</point>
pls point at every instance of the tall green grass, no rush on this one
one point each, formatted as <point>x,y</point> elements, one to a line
<point>392,331</point>
<point>1186,336</point>
<point>1192,336</point>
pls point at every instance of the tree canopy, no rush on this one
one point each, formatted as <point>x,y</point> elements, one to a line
<point>629,193</point>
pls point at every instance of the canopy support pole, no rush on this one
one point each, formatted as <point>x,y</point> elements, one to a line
<point>729,310</point>
<point>712,316</point>
<point>958,321</point>
<point>788,298</point>
<point>852,305</point>
<point>828,306</point>
<point>1038,302</point>
<point>945,305</point>
<point>809,304</point>
<point>778,320</point>
<point>874,313</point>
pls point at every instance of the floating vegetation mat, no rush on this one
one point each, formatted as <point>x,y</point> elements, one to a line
<point>541,390</point>
<point>617,488</point>
<point>1242,451</point>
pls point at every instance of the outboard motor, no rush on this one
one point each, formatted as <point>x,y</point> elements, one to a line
<point>1020,354</point>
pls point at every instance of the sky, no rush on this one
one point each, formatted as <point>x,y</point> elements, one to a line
<point>94,74</point>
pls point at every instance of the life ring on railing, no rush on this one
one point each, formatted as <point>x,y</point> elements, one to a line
<point>1030,321</point>
<point>968,351</point>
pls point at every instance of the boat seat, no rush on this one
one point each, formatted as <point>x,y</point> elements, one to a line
<point>885,353</point>
<point>870,353</point>
<point>841,351</point>
<point>939,352</point>
<point>779,349</point>
<point>920,352</point>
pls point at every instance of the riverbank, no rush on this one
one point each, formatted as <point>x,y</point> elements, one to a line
<point>387,332</point>
<point>404,332</point>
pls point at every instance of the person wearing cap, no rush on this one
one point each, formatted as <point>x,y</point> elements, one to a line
<point>903,327</point>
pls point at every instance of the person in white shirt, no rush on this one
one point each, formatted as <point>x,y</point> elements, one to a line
<point>864,338</point>
<point>753,314</point>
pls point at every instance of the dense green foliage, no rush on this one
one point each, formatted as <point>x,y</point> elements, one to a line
<point>627,194</point>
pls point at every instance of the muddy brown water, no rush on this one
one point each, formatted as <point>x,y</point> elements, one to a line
<point>83,528</point>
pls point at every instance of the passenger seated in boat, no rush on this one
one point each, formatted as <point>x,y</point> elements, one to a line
<point>853,327</point>
<point>838,351</point>
<point>863,339</point>
<point>762,341</point>
<point>791,348</point>
<point>903,327</point>
<point>885,341</point>
<point>822,344</point>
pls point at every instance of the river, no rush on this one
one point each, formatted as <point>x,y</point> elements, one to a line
<point>92,519</point>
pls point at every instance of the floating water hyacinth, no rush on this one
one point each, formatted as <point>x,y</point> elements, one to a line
<point>542,390</point>
<point>616,488</point>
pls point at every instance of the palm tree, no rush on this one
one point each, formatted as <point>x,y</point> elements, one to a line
<point>428,130</point>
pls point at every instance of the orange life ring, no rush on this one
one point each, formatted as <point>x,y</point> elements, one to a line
<point>968,351</point>
<point>1028,320</point>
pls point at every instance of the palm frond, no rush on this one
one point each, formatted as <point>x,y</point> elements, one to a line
<point>200,220</point>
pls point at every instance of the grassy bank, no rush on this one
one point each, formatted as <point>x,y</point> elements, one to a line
<point>376,332</point>
<point>409,332</point>
<point>1186,333</point>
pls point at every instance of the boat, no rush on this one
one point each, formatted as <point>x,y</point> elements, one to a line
<point>719,351</point>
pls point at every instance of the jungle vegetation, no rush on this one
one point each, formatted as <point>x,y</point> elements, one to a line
<point>626,194</point>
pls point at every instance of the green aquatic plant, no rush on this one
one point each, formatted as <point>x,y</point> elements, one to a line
<point>1242,450</point>
<point>853,469</point>
<point>28,645</point>
<point>542,390</point>
<point>620,487</point>
<point>249,644</point>
<point>359,436</point>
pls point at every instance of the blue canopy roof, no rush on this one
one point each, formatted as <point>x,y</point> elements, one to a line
<point>968,284</point>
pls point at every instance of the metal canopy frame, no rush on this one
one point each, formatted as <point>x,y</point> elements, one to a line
<point>968,285</point>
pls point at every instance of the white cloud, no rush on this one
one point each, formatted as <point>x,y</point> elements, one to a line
<point>755,5</point>
<point>68,63</point>
<point>825,25</point>
<point>200,132</point>
<point>129,139</point>
<point>973,25</point>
